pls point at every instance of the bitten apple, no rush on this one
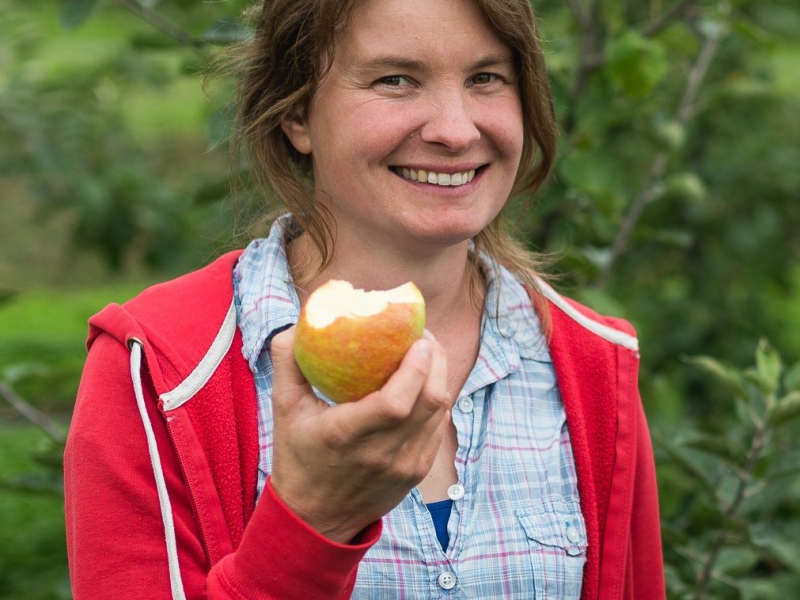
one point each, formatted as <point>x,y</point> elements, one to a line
<point>349,342</point>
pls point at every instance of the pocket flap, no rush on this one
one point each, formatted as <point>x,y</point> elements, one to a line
<point>557,524</point>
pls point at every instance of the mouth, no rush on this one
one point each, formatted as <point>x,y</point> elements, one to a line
<point>436,178</point>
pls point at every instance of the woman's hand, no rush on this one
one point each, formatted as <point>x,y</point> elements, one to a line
<point>340,469</point>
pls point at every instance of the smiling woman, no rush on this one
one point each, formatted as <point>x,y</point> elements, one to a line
<point>506,457</point>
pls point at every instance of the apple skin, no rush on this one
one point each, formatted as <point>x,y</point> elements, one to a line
<point>355,356</point>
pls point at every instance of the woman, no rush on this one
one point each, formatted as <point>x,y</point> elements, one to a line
<point>497,462</point>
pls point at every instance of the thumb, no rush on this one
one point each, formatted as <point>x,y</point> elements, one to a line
<point>289,385</point>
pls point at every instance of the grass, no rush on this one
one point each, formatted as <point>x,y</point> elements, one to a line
<point>48,315</point>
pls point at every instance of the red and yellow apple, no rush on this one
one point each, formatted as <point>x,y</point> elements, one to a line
<point>349,341</point>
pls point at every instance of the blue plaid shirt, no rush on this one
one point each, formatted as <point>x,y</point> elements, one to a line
<point>517,531</point>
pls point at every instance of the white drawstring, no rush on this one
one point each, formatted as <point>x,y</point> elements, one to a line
<point>161,485</point>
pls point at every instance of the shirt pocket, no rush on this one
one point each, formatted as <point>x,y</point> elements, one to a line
<point>556,535</point>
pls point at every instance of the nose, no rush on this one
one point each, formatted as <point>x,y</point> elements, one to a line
<point>450,123</point>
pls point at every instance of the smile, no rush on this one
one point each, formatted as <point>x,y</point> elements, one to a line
<point>443,179</point>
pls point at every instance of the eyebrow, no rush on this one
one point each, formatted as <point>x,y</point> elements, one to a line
<point>402,63</point>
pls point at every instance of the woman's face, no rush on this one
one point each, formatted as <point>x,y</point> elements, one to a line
<point>416,133</point>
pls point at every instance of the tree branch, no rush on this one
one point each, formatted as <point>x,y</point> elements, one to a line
<point>50,427</point>
<point>756,446</point>
<point>591,55</point>
<point>181,36</point>
<point>581,16</point>
<point>664,20</point>
<point>658,167</point>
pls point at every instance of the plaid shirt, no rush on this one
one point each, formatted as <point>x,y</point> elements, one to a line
<point>516,528</point>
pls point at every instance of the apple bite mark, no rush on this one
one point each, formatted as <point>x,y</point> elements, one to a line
<point>349,342</point>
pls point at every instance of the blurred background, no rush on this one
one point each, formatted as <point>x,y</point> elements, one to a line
<point>675,204</point>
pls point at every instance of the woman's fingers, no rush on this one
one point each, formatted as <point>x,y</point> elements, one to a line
<point>289,385</point>
<point>395,403</point>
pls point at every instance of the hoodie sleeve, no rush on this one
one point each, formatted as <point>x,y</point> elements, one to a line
<point>115,534</point>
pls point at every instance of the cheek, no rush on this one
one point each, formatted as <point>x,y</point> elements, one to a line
<point>363,135</point>
<point>507,128</point>
<point>381,128</point>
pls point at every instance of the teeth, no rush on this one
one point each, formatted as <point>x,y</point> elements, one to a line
<point>443,179</point>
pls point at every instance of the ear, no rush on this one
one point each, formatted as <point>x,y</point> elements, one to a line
<point>296,129</point>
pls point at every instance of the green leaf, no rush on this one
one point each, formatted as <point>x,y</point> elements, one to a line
<point>669,135</point>
<point>718,446</point>
<point>753,32</point>
<point>636,65</point>
<point>722,373</point>
<point>774,587</point>
<point>736,561</point>
<point>680,238</point>
<point>74,12</point>
<point>762,384</point>
<point>785,410</point>
<point>768,365</point>
<point>792,377</point>
<point>787,465</point>
<point>785,546</point>
<point>685,186</point>
<point>681,461</point>
<point>152,40</point>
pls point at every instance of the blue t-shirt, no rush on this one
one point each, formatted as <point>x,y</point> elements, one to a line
<point>440,513</point>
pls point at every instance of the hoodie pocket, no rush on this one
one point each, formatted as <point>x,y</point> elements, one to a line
<point>556,536</point>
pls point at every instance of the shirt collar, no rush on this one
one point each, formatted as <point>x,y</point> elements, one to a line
<point>267,303</point>
<point>510,330</point>
<point>509,312</point>
<point>266,300</point>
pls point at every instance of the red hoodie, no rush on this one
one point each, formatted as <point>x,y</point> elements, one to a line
<point>160,476</point>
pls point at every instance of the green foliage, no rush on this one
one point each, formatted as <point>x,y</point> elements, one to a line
<point>33,560</point>
<point>730,520</point>
<point>68,132</point>
<point>75,12</point>
<point>636,64</point>
<point>41,355</point>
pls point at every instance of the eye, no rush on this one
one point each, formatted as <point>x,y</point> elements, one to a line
<point>484,78</point>
<point>393,81</point>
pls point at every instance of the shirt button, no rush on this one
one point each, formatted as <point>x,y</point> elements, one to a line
<point>465,404</point>
<point>447,580</point>
<point>573,535</point>
<point>455,491</point>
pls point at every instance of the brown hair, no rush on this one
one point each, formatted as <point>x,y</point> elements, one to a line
<point>289,54</point>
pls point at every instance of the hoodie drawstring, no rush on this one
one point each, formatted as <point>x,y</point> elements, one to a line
<point>161,485</point>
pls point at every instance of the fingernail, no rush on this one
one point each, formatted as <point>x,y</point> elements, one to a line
<point>428,335</point>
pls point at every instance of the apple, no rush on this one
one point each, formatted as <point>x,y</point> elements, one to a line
<point>349,342</point>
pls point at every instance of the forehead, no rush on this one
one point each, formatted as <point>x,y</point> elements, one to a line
<point>422,30</point>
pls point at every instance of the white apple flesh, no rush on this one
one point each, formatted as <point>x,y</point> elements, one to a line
<point>349,341</point>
